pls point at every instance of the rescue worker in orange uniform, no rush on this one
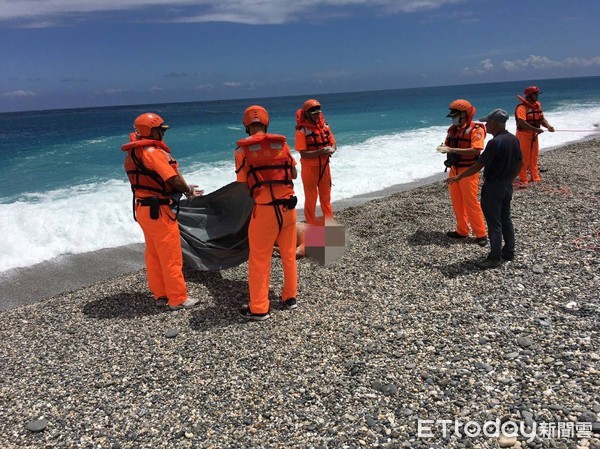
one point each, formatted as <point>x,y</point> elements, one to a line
<point>530,120</point>
<point>316,143</point>
<point>464,142</point>
<point>265,163</point>
<point>154,178</point>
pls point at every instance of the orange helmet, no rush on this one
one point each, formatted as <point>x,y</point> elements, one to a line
<point>145,122</point>
<point>309,104</point>
<point>459,105</point>
<point>532,90</point>
<point>255,114</point>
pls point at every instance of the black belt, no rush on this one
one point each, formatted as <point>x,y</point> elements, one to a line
<point>154,200</point>
<point>154,203</point>
<point>287,203</point>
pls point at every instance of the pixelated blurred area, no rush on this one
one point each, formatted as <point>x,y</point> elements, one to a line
<point>325,244</point>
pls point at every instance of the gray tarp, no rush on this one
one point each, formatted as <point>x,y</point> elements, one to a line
<point>214,228</point>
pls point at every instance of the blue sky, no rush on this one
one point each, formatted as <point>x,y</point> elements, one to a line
<point>80,53</point>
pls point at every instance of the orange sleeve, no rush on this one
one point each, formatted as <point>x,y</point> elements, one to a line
<point>521,112</point>
<point>241,170</point>
<point>300,141</point>
<point>478,138</point>
<point>157,160</point>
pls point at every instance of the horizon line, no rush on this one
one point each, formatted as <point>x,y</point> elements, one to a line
<point>288,96</point>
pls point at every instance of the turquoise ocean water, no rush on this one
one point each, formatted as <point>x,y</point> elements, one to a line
<point>63,189</point>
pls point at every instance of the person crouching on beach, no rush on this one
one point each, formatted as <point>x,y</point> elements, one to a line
<point>265,163</point>
<point>154,178</point>
<point>464,142</point>
<point>502,160</point>
<point>530,119</point>
<point>315,143</point>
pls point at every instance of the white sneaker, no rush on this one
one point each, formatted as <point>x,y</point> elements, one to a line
<point>187,304</point>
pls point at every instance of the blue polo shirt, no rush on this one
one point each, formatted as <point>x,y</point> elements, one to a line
<point>500,157</point>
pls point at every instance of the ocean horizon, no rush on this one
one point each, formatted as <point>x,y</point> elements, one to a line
<point>63,189</point>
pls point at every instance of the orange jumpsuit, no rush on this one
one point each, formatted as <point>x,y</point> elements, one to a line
<point>269,224</point>
<point>316,174</point>
<point>164,260</point>
<point>530,144</point>
<point>463,193</point>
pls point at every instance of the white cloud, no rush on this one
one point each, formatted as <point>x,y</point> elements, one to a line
<point>232,84</point>
<point>155,89</point>
<point>582,62</point>
<point>536,62</point>
<point>19,93</point>
<point>205,87</point>
<point>45,12</point>
<point>543,62</point>
<point>485,66</point>
<point>274,12</point>
<point>116,91</point>
<point>532,62</point>
<point>415,5</point>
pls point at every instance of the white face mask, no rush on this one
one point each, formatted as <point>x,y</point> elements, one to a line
<point>456,120</point>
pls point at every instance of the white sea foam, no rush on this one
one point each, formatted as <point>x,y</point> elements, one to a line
<point>75,220</point>
<point>43,225</point>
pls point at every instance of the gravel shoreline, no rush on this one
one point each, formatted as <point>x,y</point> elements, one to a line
<point>68,272</point>
<point>404,327</point>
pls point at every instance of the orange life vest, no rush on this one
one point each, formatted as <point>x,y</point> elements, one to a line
<point>318,135</point>
<point>460,137</point>
<point>146,182</point>
<point>534,114</point>
<point>267,161</point>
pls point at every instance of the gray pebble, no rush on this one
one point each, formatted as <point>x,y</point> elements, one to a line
<point>37,425</point>
<point>407,412</point>
<point>389,389</point>
<point>537,269</point>
<point>371,422</point>
<point>527,417</point>
<point>524,342</point>
<point>588,416</point>
<point>172,333</point>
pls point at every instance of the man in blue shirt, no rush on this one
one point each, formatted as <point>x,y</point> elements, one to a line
<point>501,160</point>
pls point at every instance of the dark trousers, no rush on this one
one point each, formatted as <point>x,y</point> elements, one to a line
<point>495,203</point>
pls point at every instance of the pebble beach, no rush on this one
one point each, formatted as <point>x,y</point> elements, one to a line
<point>404,329</point>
